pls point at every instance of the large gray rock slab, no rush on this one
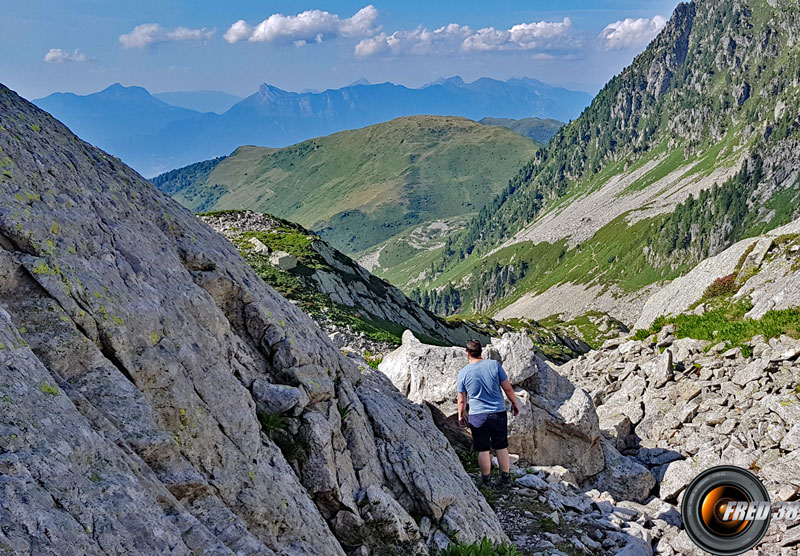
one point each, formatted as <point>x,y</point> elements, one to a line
<point>623,477</point>
<point>133,335</point>
<point>766,291</point>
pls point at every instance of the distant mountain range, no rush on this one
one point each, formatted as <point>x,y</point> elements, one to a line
<point>153,136</point>
<point>201,101</point>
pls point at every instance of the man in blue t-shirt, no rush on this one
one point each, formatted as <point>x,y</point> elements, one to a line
<point>483,382</point>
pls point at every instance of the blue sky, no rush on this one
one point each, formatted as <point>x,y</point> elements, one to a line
<point>163,45</point>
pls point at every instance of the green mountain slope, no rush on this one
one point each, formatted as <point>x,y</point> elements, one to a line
<point>690,148</point>
<point>538,129</point>
<point>361,187</point>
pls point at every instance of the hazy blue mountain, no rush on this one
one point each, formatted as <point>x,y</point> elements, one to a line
<point>538,129</point>
<point>121,120</point>
<point>202,101</point>
<point>153,136</point>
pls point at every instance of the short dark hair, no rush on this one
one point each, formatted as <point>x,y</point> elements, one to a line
<point>474,348</point>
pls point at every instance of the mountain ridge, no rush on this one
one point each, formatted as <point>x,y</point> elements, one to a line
<point>690,148</point>
<point>360,187</point>
<point>164,143</point>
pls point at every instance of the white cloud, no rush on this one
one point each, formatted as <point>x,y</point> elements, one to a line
<point>305,27</point>
<point>543,36</point>
<point>418,41</point>
<point>153,33</point>
<point>632,33</point>
<point>59,56</point>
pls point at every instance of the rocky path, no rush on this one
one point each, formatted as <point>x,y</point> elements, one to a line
<point>544,512</point>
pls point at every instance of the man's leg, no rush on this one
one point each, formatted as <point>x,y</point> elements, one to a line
<point>499,443</point>
<point>503,460</point>
<point>485,462</point>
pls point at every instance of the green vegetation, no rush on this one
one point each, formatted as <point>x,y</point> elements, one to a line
<point>362,187</point>
<point>587,327</point>
<point>480,548</point>
<point>629,128</point>
<point>184,184</point>
<point>726,323</point>
<point>469,459</point>
<point>276,427</point>
<point>271,422</point>
<point>344,411</point>
<point>372,359</point>
<point>295,284</point>
<point>317,304</point>
<point>48,389</point>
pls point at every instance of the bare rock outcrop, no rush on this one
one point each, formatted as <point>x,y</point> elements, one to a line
<point>765,264</point>
<point>140,360</point>
<point>557,424</point>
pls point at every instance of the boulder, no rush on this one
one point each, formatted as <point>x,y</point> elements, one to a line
<point>425,373</point>
<point>283,260</point>
<point>622,477</point>
<point>615,424</point>
<point>565,434</point>
<point>659,371</point>
<point>277,398</point>
<point>557,424</point>
<point>516,352</point>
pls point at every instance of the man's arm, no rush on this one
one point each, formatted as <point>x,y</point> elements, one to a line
<point>512,397</point>
<point>462,408</point>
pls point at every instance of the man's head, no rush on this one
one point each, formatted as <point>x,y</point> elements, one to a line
<point>474,349</point>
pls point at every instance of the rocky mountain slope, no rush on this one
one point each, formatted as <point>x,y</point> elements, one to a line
<point>355,308</point>
<point>605,444</point>
<point>578,470</point>
<point>361,187</point>
<point>157,396</point>
<point>761,270</point>
<point>682,405</point>
<point>275,118</point>
<point>690,149</point>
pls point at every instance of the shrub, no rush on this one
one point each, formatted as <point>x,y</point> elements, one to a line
<point>271,422</point>
<point>344,411</point>
<point>725,285</point>
<point>372,359</point>
<point>480,548</point>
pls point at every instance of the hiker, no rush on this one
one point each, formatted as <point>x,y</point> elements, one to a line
<point>483,382</point>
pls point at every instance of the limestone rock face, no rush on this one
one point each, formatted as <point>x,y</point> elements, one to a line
<point>772,279</point>
<point>424,372</point>
<point>338,277</point>
<point>136,349</point>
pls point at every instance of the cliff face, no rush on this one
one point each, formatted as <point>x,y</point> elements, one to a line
<point>137,353</point>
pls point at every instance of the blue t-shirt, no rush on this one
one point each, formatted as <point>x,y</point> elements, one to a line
<point>481,381</point>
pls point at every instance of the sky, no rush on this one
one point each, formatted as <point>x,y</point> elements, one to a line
<point>235,45</point>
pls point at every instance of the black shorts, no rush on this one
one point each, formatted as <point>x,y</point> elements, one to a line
<point>489,430</point>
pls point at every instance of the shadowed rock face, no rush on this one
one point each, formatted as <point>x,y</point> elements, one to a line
<point>131,338</point>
